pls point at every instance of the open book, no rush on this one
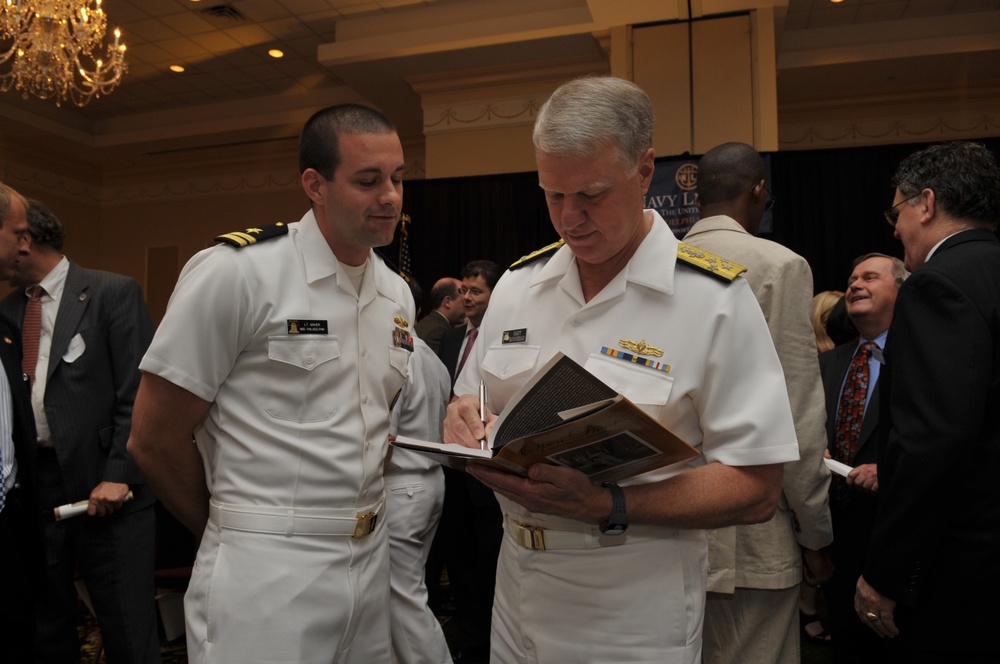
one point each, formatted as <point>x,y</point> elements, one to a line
<point>566,416</point>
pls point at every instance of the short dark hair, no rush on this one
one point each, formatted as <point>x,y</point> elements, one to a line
<point>964,177</point>
<point>319,143</point>
<point>442,289</point>
<point>44,227</point>
<point>488,270</point>
<point>727,171</point>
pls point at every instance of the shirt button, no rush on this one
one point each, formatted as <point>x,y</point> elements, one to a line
<point>364,352</point>
<point>505,371</point>
<point>577,323</point>
<point>364,399</point>
<point>309,359</point>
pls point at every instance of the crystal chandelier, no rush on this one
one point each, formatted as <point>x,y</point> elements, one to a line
<point>52,50</point>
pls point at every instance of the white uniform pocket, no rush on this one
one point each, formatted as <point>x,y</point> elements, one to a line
<point>505,369</point>
<point>641,385</point>
<point>302,377</point>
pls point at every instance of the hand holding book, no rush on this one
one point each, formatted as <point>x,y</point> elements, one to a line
<point>564,416</point>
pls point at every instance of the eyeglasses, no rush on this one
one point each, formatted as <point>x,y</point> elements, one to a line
<point>892,214</point>
<point>769,203</point>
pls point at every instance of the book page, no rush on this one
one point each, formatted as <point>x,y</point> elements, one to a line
<point>560,385</point>
<point>441,448</point>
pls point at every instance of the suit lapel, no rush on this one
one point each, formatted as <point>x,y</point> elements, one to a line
<point>833,381</point>
<point>75,301</point>
<point>17,309</point>
<point>870,422</point>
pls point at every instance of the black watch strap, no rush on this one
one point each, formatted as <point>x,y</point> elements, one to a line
<point>617,523</point>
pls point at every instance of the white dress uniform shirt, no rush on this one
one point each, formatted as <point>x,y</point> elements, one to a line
<point>301,370</point>
<point>638,597</point>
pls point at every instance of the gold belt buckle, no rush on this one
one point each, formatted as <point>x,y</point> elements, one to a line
<point>530,537</point>
<point>365,524</point>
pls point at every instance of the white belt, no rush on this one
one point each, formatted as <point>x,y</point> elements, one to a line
<point>297,521</point>
<point>538,538</point>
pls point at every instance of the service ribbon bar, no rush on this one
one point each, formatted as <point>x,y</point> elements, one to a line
<point>635,359</point>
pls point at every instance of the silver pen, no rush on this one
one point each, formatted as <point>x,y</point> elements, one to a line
<point>482,412</point>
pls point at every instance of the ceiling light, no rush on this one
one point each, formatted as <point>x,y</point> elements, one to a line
<point>53,41</point>
<point>276,53</point>
<point>177,69</point>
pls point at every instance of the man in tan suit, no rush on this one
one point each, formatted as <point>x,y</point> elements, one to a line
<point>754,571</point>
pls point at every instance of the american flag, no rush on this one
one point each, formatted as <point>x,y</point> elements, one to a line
<point>405,265</point>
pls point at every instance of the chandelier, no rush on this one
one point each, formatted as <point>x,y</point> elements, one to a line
<point>52,54</point>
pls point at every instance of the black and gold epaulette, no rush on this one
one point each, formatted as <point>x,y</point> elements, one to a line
<point>254,235</point>
<point>535,255</point>
<point>706,261</point>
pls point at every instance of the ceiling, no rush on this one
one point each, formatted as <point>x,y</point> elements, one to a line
<point>370,51</point>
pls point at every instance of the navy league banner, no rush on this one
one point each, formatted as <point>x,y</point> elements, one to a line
<point>674,194</point>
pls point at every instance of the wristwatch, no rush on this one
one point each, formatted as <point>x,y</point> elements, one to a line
<point>617,523</point>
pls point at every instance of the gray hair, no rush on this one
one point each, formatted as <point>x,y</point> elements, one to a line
<point>585,115</point>
<point>964,177</point>
<point>7,195</point>
<point>899,271</point>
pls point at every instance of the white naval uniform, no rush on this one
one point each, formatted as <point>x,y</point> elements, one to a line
<point>294,442</point>
<point>638,597</point>
<point>414,496</point>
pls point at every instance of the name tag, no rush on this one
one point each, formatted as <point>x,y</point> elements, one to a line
<point>515,336</point>
<point>301,326</point>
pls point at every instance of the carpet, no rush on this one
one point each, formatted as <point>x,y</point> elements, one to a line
<point>173,652</point>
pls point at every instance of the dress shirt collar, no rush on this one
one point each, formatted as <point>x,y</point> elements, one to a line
<point>54,282</point>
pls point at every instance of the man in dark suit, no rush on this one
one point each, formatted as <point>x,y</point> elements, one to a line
<point>447,311</point>
<point>94,328</point>
<point>21,552</point>
<point>471,527</point>
<point>870,297</point>
<point>931,580</point>
<point>478,279</point>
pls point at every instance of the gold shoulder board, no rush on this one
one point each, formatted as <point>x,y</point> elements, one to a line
<point>535,255</point>
<point>250,236</point>
<point>706,261</point>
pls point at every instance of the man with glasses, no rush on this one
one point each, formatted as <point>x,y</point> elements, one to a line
<point>471,524</point>
<point>755,570</point>
<point>931,579</point>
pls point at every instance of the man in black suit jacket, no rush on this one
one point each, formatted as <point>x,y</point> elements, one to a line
<point>931,580</point>
<point>870,298</point>
<point>95,329</point>
<point>21,551</point>
<point>447,311</point>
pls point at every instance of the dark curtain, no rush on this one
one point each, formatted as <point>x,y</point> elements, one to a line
<point>457,220</point>
<point>830,203</point>
<point>829,210</point>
